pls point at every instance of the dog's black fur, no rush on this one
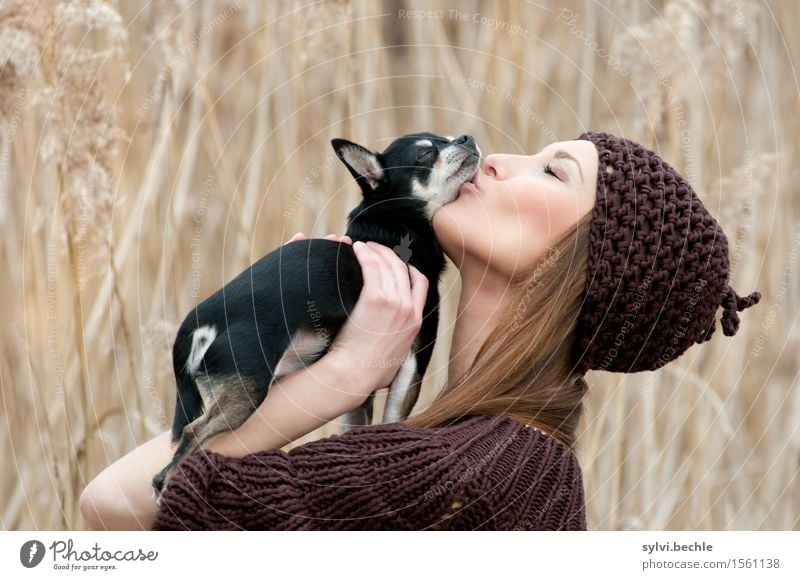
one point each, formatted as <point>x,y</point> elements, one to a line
<point>283,312</point>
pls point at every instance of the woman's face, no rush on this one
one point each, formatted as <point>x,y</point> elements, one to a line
<point>517,206</point>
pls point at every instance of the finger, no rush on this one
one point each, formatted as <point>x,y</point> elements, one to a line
<point>399,275</point>
<point>332,237</point>
<point>346,240</point>
<point>388,275</point>
<point>419,290</point>
<point>389,284</point>
<point>297,236</point>
<point>400,272</point>
<point>370,267</point>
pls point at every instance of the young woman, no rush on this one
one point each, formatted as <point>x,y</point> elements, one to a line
<point>591,254</point>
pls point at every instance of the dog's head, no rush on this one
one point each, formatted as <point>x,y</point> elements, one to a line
<point>423,166</point>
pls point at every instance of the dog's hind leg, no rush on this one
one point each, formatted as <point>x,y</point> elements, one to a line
<point>227,407</point>
<point>404,390</point>
<point>189,402</point>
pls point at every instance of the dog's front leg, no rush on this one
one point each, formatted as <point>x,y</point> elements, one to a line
<point>404,390</point>
<point>361,415</point>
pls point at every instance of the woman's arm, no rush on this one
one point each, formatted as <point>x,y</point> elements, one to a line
<point>296,405</point>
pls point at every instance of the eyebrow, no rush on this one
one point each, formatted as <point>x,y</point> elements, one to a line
<point>565,155</point>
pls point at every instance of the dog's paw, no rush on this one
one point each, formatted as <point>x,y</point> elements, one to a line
<point>159,487</point>
<point>159,481</point>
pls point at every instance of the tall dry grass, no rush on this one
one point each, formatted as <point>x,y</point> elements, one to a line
<point>151,150</point>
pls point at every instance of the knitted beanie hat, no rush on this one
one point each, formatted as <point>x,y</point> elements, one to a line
<point>657,267</point>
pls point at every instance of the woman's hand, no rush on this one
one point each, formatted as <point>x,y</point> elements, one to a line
<point>377,336</point>
<point>333,237</point>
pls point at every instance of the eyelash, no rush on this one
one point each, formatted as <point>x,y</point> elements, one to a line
<point>549,169</point>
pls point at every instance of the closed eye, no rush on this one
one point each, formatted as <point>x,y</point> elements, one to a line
<point>549,170</point>
<point>425,155</point>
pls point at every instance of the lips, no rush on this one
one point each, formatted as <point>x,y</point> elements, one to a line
<point>467,186</point>
<point>472,182</point>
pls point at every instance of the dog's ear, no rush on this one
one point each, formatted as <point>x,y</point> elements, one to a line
<point>362,163</point>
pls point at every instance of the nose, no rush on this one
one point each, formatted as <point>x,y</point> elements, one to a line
<point>491,166</point>
<point>465,141</point>
<point>503,166</point>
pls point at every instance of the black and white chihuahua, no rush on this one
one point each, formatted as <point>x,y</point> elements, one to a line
<point>283,312</point>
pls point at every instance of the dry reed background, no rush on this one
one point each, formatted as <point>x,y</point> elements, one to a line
<point>151,150</point>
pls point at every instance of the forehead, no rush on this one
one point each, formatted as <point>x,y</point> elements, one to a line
<point>412,140</point>
<point>580,148</point>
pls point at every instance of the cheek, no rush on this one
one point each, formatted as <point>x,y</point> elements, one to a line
<point>529,222</point>
<point>549,213</point>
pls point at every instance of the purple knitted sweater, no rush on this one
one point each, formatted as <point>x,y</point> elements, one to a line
<point>480,473</point>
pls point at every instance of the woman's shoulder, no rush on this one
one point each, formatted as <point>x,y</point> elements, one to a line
<point>473,428</point>
<point>473,439</point>
<point>467,428</point>
<point>505,444</point>
<point>531,479</point>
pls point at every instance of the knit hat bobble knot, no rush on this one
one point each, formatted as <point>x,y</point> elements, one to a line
<point>657,270</point>
<point>733,304</point>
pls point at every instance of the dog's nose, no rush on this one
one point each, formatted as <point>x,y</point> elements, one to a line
<point>465,141</point>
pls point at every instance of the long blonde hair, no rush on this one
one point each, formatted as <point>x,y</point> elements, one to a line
<point>523,369</point>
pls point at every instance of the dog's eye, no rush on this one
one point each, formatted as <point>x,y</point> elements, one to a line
<point>426,155</point>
